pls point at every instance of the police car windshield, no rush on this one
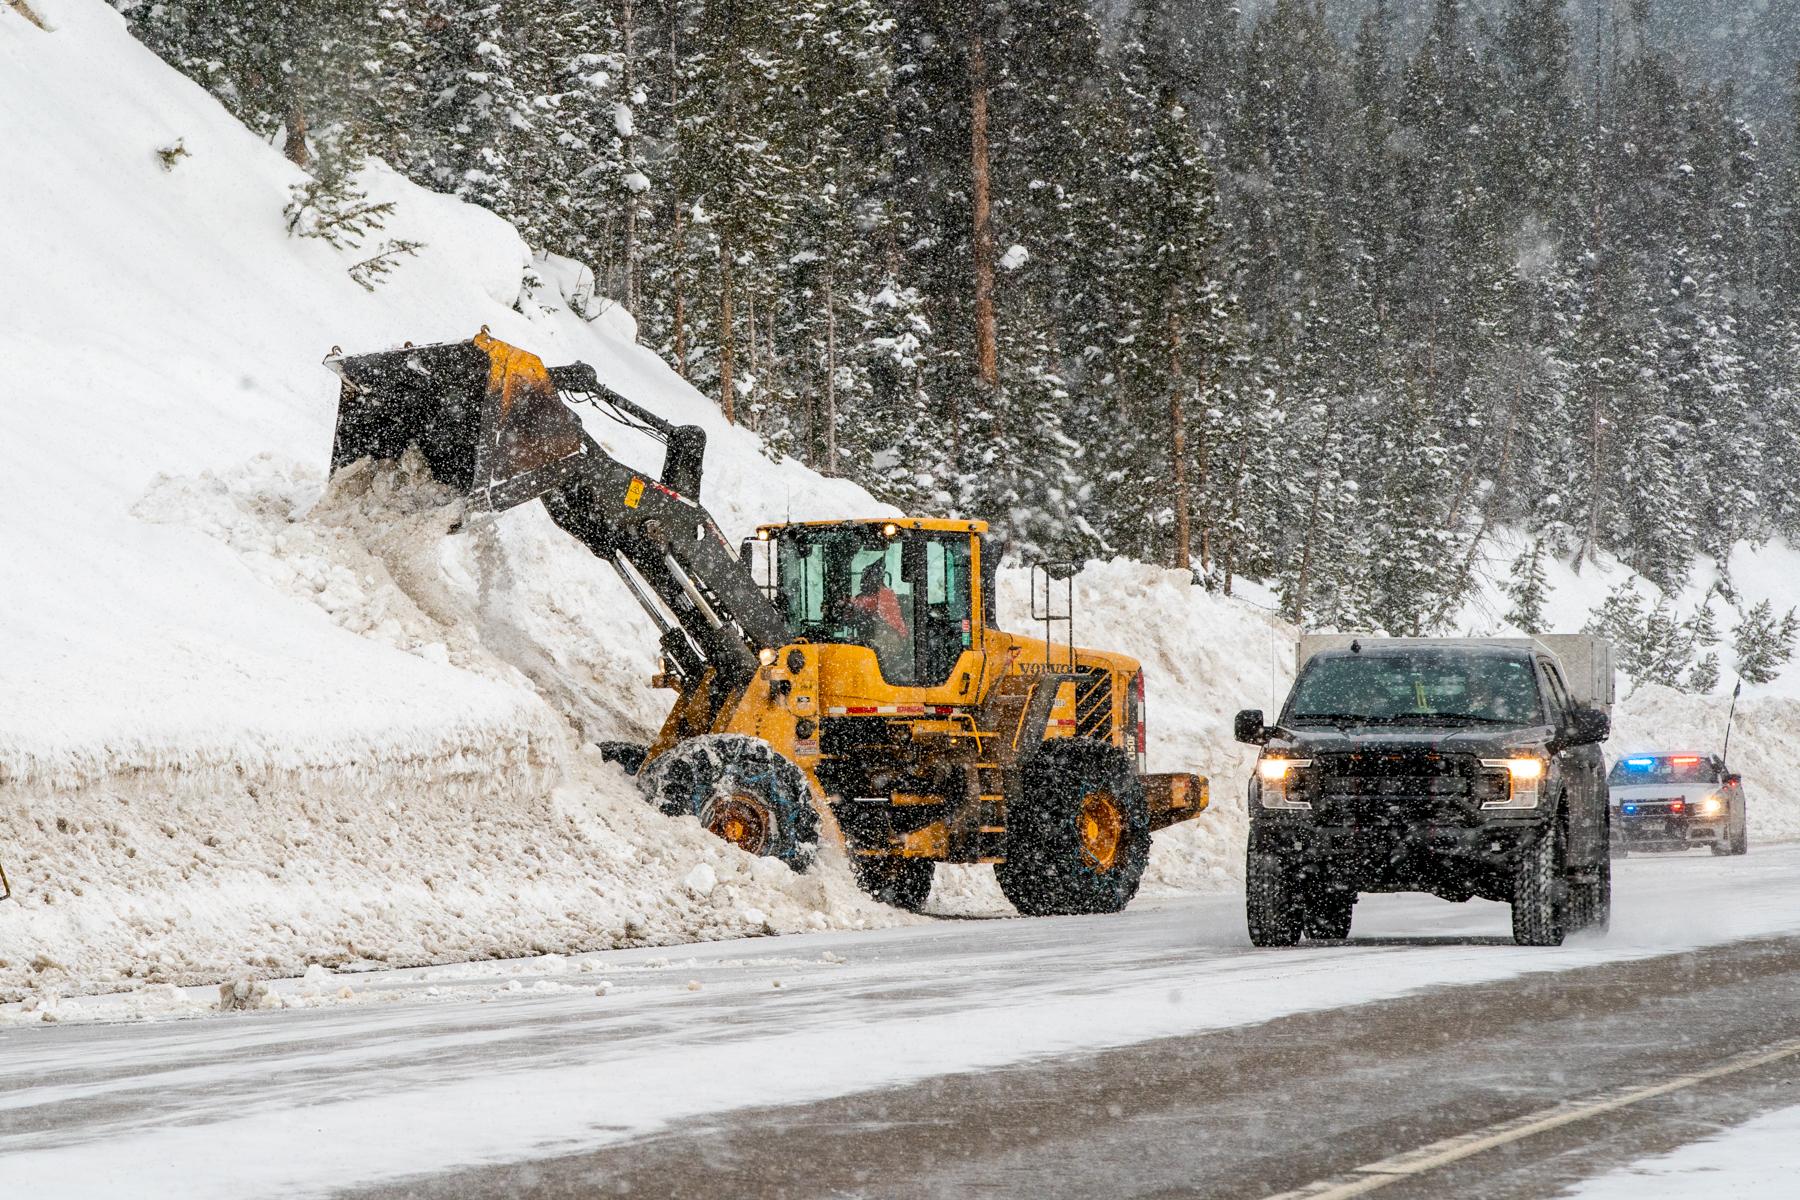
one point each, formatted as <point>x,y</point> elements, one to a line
<point>1663,768</point>
<point>1415,687</point>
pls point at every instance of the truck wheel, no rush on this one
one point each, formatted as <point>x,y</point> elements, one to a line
<point>1078,840</point>
<point>1328,915</point>
<point>1271,899</point>
<point>1537,878</point>
<point>743,790</point>
<point>902,882</point>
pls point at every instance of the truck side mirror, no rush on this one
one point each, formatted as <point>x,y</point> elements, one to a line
<point>1588,726</point>
<point>1248,727</point>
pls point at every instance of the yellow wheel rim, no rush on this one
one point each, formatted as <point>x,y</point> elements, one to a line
<point>741,820</point>
<point>1102,830</point>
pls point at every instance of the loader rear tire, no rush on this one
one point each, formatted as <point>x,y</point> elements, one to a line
<point>1078,840</point>
<point>902,882</point>
<point>742,789</point>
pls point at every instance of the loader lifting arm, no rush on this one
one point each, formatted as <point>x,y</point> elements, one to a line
<point>498,426</point>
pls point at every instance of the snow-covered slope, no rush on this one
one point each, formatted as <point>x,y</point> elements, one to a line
<point>242,726</point>
<point>249,722</point>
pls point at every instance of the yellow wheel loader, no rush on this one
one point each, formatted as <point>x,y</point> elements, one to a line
<point>848,677</point>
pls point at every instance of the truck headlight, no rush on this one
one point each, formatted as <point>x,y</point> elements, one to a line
<point>1277,778</point>
<point>1524,775</point>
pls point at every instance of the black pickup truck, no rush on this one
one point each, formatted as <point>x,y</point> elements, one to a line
<point>1457,767</point>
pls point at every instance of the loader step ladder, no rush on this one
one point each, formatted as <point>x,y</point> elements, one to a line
<point>1050,582</point>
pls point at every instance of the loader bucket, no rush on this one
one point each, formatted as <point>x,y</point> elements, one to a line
<point>485,415</point>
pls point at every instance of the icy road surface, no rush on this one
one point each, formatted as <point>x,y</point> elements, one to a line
<point>1149,1053</point>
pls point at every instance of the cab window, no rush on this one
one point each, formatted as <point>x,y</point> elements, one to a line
<point>906,597</point>
<point>1563,707</point>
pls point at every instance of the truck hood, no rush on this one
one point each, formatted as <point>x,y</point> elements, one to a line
<point>1484,741</point>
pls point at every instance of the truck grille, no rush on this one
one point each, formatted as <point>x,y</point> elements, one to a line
<point>1398,787</point>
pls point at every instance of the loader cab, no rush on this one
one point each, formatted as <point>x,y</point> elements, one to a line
<point>909,590</point>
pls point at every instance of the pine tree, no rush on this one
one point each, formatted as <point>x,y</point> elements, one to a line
<point>1762,644</point>
<point>1528,588</point>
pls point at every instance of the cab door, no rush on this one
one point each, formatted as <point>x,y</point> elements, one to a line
<point>1583,771</point>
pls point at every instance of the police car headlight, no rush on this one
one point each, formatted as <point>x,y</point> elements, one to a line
<point>1712,806</point>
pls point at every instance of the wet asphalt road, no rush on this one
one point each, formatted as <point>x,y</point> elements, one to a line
<point>1260,1109</point>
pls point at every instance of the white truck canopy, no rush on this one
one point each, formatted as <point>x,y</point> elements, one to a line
<point>1586,661</point>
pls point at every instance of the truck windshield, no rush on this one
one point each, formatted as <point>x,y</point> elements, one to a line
<point>1415,686</point>
<point>905,597</point>
<point>1663,768</point>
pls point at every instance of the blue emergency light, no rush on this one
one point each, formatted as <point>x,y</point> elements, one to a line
<point>1639,764</point>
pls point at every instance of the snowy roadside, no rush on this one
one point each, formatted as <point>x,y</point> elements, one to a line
<point>1747,1162</point>
<point>477,1070</point>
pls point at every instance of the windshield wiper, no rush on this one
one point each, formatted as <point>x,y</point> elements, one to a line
<point>1452,718</point>
<point>1338,719</point>
<point>1342,719</point>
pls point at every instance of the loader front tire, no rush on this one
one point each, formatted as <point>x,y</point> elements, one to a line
<point>742,789</point>
<point>1079,838</point>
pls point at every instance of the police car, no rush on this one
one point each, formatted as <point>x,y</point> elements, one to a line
<point>1672,801</point>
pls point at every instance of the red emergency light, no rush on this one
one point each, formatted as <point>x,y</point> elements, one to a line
<point>1685,760</point>
<point>1677,805</point>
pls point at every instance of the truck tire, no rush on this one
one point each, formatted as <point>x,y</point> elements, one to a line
<point>1079,838</point>
<point>1271,899</point>
<point>1601,919</point>
<point>902,882</point>
<point>1328,915</point>
<point>1590,897</point>
<point>743,790</point>
<point>1537,881</point>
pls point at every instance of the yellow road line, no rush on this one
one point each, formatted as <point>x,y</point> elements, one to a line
<point>1367,1178</point>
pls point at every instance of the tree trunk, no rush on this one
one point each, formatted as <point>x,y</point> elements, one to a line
<point>628,26</point>
<point>1312,531</point>
<point>726,398</point>
<point>295,146</point>
<point>1228,557</point>
<point>987,358</point>
<point>679,316</point>
<point>755,375</point>
<point>831,460</point>
<point>1178,446</point>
